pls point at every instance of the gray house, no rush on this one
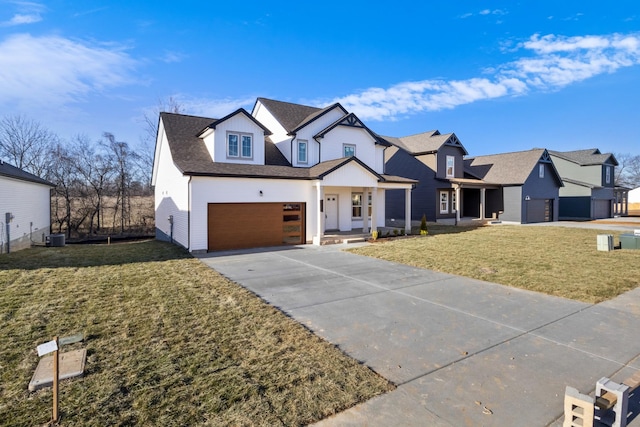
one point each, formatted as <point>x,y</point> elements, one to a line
<point>529,181</point>
<point>588,177</point>
<point>436,162</point>
<point>517,187</point>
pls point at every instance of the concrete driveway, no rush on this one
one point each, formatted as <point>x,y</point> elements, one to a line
<point>463,352</point>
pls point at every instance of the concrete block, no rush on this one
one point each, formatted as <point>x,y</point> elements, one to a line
<point>621,391</point>
<point>578,409</point>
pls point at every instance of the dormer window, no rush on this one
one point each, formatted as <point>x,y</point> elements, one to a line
<point>607,173</point>
<point>239,145</point>
<point>349,150</point>
<point>451,162</point>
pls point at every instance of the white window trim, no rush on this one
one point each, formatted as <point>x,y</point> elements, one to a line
<point>607,174</point>
<point>306,151</point>
<point>354,206</point>
<point>541,170</point>
<point>453,167</point>
<point>369,207</point>
<point>240,136</point>
<point>344,146</point>
<point>441,200</point>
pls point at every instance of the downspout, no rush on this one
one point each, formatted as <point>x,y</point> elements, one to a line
<point>8,218</point>
<point>189,214</point>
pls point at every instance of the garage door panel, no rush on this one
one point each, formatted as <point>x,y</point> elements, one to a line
<point>602,209</point>
<point>252,225</point>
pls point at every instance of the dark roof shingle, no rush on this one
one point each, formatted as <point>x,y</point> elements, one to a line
<point>13,172</point>
<point>588,157</point>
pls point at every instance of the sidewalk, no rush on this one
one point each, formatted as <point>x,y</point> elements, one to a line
<point>462,351</point>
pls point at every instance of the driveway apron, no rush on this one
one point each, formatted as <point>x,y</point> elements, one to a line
<point>461,351</point>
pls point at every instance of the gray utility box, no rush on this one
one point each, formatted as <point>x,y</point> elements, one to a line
<point>605,242</point>
<point>56,240</point>
<point>629,241</point>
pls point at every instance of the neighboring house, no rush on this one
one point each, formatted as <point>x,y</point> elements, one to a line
<point>436,162</point>
<point>529,180</point>
<point>284,174</point>
<point>634,202</point>
<point>517,187</point>
<point>589,187</point>
<point>25,208</point>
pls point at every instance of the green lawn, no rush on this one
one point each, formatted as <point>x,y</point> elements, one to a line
<point>170,343</point>
<point>554,260</point>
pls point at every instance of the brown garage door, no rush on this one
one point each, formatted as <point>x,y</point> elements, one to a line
<point>254,225</point>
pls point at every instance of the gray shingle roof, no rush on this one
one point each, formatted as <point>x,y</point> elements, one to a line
<point>295,116</point>
<point>505,169</point>
<point>192,158</point>
<point>426,142</point>
<point>13,172</point>
<point>581,183</point>
<point>588,157</point>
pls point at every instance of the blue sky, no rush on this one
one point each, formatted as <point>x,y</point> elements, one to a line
<point>504,76</point>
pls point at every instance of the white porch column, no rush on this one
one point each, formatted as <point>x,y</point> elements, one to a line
<point>320,212</point>
<point>374,210</point>
<point>407,211</point>
<point>365,210</point>
<point>457,207</point>
<point>482,202</point>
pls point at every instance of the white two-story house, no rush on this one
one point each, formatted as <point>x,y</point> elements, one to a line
<point>285,174</point>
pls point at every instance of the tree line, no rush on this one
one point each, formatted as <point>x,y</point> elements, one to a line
<point>101,187</point>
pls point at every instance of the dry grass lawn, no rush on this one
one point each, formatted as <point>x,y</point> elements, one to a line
<point>554,260</point>
<point>170,343</point>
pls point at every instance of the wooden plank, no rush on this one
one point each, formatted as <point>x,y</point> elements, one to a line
<point>608,400</point>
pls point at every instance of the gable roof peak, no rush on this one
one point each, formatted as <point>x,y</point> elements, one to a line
<point>215,123</point>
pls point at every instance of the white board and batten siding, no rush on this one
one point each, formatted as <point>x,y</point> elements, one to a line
<point>207,190</point>
<point>332,145</point>
<point>353,174</point>
<point>279,134</point>
<point>171,196</point>
<point>30,205</point>
<point>216,142</point>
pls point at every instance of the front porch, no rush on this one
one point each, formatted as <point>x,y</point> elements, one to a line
<point>347,214</point>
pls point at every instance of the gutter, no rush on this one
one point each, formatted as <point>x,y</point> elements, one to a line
<point>189,214</point>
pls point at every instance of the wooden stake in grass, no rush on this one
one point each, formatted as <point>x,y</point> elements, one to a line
<point>46,348</point>
<point>56,374</point>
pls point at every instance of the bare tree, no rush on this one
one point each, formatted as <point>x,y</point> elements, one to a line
<point>26,144</point>
<point>63,174</point>
<point>96,169</point>
<point>628,170</point>
<point>124,161</point>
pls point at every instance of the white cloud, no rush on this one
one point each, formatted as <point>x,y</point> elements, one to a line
<point>20,19</point>
<point>28,13</point>
<point>553,63</point>
<point>484,12</point>
<point>171,57</point>
<point>216,108</point>
<point>52,70</point>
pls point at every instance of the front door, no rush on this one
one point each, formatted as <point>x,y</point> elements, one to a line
<point>331,212</point>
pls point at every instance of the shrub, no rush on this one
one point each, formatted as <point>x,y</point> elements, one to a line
<point>423,225</point>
